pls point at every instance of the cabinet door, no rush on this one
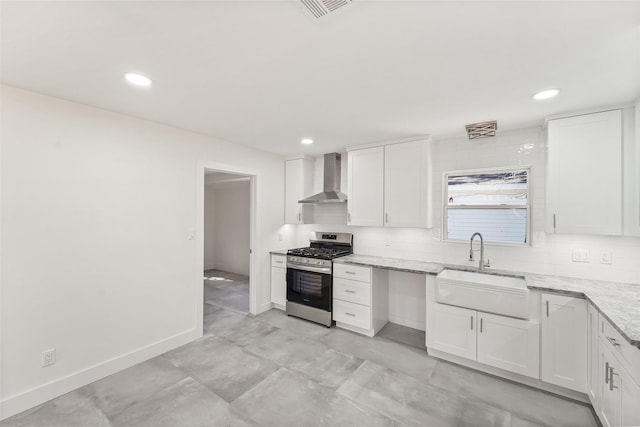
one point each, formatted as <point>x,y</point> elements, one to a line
<point>405,184</point>
<point>298,185</point>
<point>610,400</point>
<point>452,330</point>
<point>584,183</point>
<point>365,187</point>
<point>279,286</point>
<point>509,344</point>
<point>630,396</point>
<point>593,364</point>
<point>564,341</point>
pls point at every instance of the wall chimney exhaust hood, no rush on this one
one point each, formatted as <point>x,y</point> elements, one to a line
<point>331,193</point>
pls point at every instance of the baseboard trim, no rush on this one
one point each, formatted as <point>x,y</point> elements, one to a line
<point>266,307</point>
<point>28,399</point>
<point>517,378</point>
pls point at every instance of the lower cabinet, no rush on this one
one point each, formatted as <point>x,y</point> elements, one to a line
<point>279,281</point>
<point>360,298</point>
<point>619,388</point>
<point>498,341</point>
<point>564,341</point>
<point>452,330</point>
<point>509,344</point>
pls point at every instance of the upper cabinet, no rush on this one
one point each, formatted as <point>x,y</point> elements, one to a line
<point>389,185</point>
<point>298,185</point>
<point>585,176</point>
<point>365,187</point>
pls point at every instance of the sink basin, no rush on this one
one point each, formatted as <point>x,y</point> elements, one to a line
<point>504,295</point>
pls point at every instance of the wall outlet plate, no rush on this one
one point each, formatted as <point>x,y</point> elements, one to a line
<point>580,255</point>
<point>605,258</point>
<point>48,357</point>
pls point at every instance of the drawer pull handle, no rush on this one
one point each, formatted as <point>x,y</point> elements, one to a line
<point>279,262</point>
<point>350,291</point>
<point>350,314</point>
<point>614,342</point>
<point>606,373</point>
<point>472,323</point>
<point>350,272</point>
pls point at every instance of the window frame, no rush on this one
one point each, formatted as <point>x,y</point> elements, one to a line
<point>527,206</point>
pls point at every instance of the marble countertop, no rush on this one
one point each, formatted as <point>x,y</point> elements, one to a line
<point>278,252</point>
<point>618,302</point>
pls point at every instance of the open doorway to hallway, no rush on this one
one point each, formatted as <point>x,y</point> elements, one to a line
<point>227,220</point>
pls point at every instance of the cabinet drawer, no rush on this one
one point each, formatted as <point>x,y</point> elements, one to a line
<point>353,314</point>
<point>279,261</point>
<point>628,354</point>
<point>352,291</point>
<point>353,272</point>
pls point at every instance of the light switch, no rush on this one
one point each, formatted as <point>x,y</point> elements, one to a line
<point>580,255</point>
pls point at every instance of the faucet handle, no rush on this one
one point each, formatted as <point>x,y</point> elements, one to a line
<point>488,263</point>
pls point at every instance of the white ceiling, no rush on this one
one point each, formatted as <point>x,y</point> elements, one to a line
<point>266,73</point>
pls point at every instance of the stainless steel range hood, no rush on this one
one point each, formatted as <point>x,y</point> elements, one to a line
<point>331,193</point>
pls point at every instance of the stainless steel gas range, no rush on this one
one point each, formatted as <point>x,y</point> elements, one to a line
<point>309,276</point>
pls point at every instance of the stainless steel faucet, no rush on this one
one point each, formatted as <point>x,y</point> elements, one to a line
<point>481,264</point>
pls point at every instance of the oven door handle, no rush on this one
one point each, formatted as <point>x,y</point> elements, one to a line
<point>322,270</point>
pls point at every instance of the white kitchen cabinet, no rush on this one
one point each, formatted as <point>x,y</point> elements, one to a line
<point>498,341</point>
<point>564,341</point>
<point>452,330</point>
<point>620,393</point>
<point>619,378</point>
<point>584,179</point>
<point>406,180</point>
<point>509,344</point>
<point>298,185</point>
<point>365,187</point>
<point>279,281</point>
<point>593,362</point>
<point>389,185</point>
<point>360,298</point>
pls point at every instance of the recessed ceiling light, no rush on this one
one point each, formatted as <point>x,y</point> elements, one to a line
<point>545,94</point>
<point>306,141</point>
<point>138,79</point>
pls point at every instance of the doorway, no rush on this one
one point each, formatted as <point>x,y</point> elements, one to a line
<point>226,240</point>
<point>226,256</point>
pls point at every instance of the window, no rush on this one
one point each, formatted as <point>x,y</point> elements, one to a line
<point>494,203</point>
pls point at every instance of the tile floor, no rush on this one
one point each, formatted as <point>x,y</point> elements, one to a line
<point>274,370</point>
<point>227,290</point>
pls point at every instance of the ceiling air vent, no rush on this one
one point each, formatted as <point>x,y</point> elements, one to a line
<point>482,130</point>
<point>319,8</point>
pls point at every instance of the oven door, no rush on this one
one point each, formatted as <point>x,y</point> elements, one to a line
<point>310,288</point>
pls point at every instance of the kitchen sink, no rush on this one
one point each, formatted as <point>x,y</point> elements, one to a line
<point>491,293</point>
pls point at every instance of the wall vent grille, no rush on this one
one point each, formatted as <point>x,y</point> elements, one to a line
<point>482,130</point>
<point>320,8</point>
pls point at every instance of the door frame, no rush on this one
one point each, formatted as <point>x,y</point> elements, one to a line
<point>202,167</point>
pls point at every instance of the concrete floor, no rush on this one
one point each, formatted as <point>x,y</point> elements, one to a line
<point>275,370</point>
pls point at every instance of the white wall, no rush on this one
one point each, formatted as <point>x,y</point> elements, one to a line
<point>209,229</point>
<point>549,253</point>
<point>231,226</point>
<point>96,260</point>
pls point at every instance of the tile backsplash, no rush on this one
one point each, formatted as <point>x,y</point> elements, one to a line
<point>548,253</point>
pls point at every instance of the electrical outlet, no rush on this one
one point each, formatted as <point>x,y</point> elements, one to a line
<point>605,258</point>
<point>580,255</point>
<point>49,357</point>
